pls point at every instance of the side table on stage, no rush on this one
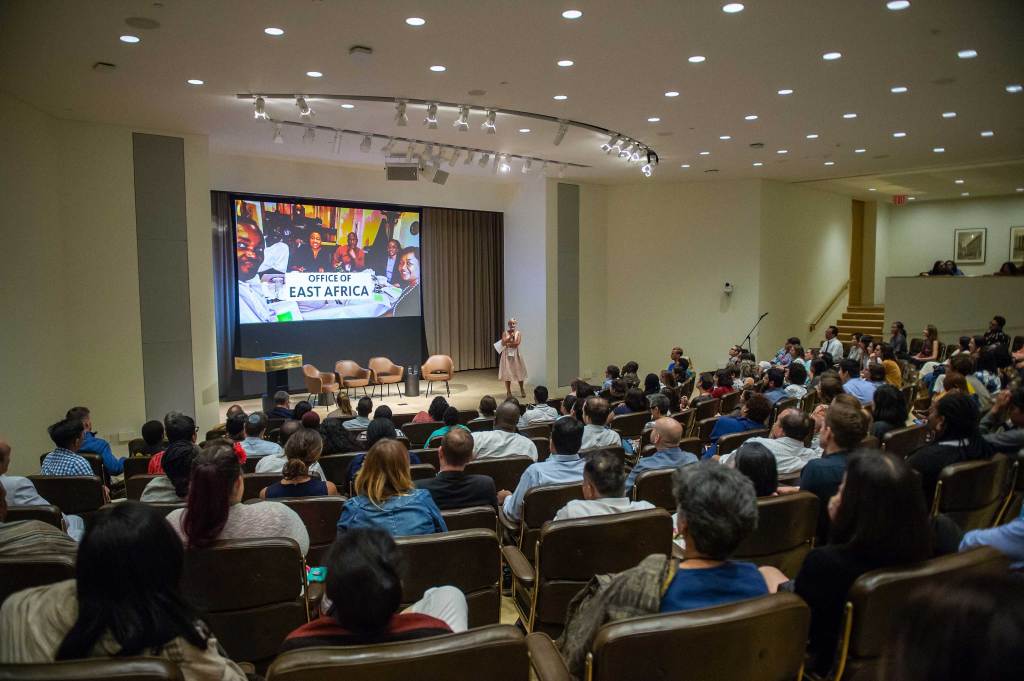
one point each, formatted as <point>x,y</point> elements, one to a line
<point>275,367</point>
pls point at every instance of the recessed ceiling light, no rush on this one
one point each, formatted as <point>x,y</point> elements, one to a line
<point>671,93</point>
<point>653,119</point>
<point>565,62</point>
<point>859,150</point>
<point>812,136</point>
<point>949,114</point>
<point>524,130</point>
<point>939,150</point>
<point>832,56</point>
<point>572,14</point>
<point>314,74</point>
<point>696,59</point>
<point>899,135</point>
<point>274,31</point>
<point>898,89</point>
<point>348,106</point>
<point>195,81</point>
<point>958,180</point>
<point>437,68</point>
<point>872,189</point>
<point>687,165</point>
<point>561,98</point>
<point>750,117</point>
<point>130,39</point>
<point>1014,88</point>
<point>725,138</point>
<point>967,54</point>
<point>757,164</point>
<point>415,21</point>
<point>849,115</point>
<point>897,5</point>
<point>965,193</point>
<point>782,151</point>
<point>911,198</point>
<point>732,7</point>
<point>785,91</point>
<point>705,153</point>
<point>987,133</point>
<point>830,163</point>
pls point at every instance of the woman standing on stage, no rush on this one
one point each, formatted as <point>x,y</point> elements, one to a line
<point>512,367</point>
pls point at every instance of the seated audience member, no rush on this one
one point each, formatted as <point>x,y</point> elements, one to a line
<point>893,372</point>
<point>302,408</point>
<point>964,365</point>
<point>817,368</point>
<point>832,345</point>
<point>775,385</point>
<point>595,430</point>
<point>1003,425</point>
<point>652,384</point>
<point>635,401</point>
<point>723,383</point>
<point>95,445</point>
<point>584,394</point>
<point>665,437</point>
<point>503,440</point>
<point>796,377</point>
<point>310,420</point>
<point>562,466</point>
<point>179,428</point>
<point>1007,538</point>
<point>929,350</point>
<point>101,613</point>
<point>452,487</point>
<point>845,426</point>
<point>301,454</point>
<point>387,499</point>
<point>734,355</point>
<point>214,508</point>
<point>611,373</point>
<point>540,412</point>
<point>668,380</point>
<point>705,385</point>
<point>282,406</point>
<point>659,407</point>
<point>878,521</point>
<point>995,334</point>
<point>254,444</point>
<point>630,377</point>
<point>717,511</point>
<point>434,413</point>
<point>31,537</point>
<point>682,370</point>
<point>153,437</point>
<point>853,384</point>
<point>786,442</point>
<point>616,392</point>
<point>172,488</point>
<point>604,476</point>
<point>856,352</point>
<point>967,628</point>
<point>889,411</point>
<point>67,435</point>
<point>384,412</point>
<point>566,408</point>
<point>830,387</point>
<point>379,429</point>
<point>21,491</point>
<point>486,409</point>
<point>363,408</point>
<point>364,587</point>
<point>675,356</point>
<point>953,422</point>
<point>674,399</point>
<point>234,429</point>
<point>898,339</point>
<point>233,410</point>
<point>451,422</point>
<point>796,354</point>
<point>757,462</point>
<point>753,415</point>
<point>336,439</point>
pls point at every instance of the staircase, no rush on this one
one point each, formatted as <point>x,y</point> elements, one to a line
<point>862,319</point>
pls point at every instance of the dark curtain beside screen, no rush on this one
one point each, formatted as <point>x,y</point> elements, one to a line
<point>463,275</point>
<point>225,301</point>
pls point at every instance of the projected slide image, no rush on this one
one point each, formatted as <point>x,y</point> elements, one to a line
<point>308,261</point>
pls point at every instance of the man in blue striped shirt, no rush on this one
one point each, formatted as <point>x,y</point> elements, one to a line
<point>564,465</point>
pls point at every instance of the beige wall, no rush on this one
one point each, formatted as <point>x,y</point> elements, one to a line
<point>883,213</point>
<point>593,298</point>
<point>957,306</point>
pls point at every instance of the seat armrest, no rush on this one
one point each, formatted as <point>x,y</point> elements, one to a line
<point>522,571</point>
<point>547,662</point>
<point>315,594</point>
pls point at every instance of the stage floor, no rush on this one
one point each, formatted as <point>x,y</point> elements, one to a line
<point>467,388</point>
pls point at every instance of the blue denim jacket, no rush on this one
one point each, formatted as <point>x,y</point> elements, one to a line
<point>403,515</point>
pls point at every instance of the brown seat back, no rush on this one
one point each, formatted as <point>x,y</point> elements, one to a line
<point>320,516</point>
<point>732,441</point>
<point>784,534</point>
<point>437,368</point>
<point>136,465</point>
<point>781,406</point>
<point>656,487</point>
<point>311,376</point>
<point>686,389</point>
<point>706,409</point>
<point>134,485</point>
<point>335,467</point>
<point>810,401</point>
<point>504,470</point>
<point>570,552</point>
<point>704,428</point>
<point>469,560</point>
<point>481,425</point>
<point>729,402</point>
<point>75,494</point>
<point>419,432</point>
<point>497,653</point>
<point>971,492</point>
<point>762,639</point>
<point>422,471</point>
<point>428,456</point>
<point>253,483</point>
<point>112,668</point>
<point>876,599</point>
<point>250,591</point>
<point>694,445</point>
<point>686,419</point>
<point>617,450</point>
<point>165,508</point>
<point>348,370</point>
<point>46,513</point>
<point>630,425</point>
<point>384,370</point>
<point>23,572</point>
<point>434,442</point>
<point>543,445</point>
<point>903,441</point>
<point>471,518</point>
<point>541,430</point>
<point>540,505</point>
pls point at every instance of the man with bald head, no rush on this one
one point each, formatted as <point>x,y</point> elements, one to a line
<point>665,437</point>
<point>503,440</point>
<point>786,443</point>
<point>252,303</point>
<point>21,492</point>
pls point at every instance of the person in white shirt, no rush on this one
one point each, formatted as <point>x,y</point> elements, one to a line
<point>540,412</point>
<point>275,258</point>
<point>832,345</point>
<point>21,492</point>
<point>796,377</point>
<point>503,440</point>
<point>595,416</point>
<point>604,481</point>
<point>252,303</point>
<point>786,442</point>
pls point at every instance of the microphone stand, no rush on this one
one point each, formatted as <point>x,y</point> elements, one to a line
<point>747,340</point>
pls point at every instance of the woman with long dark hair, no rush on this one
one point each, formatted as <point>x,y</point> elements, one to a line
<point>757,462</point>
<point>123,601</point>
<point>953,424</point>
<point>889,410</point>
<point>301,453</point>
<point>214,509</point>
<point>634,401</point>
<point>172,487</point>
<point>652,384</point>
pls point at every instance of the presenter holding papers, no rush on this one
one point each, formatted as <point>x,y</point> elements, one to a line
<point>511,367</point>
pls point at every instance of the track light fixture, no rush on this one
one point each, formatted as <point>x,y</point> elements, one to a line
<point>304,110</point>
<point>489,125</point>
<point>470,156</point>
<point>563,128</point>
<point>337,142</point>
<point>607,146</point>
<point>455,157</point>
<point>389,146</point>
<point>616,146</point>
<point>628,151</point>
<point>527,163</point>
<point>401,119</point>
<point>364,146</point>
<point>278,137</point>
<point>462,122</point>
<point>259,111</point>
<point>409,151</point>
<point>503,165</point>
<point>309,136</point>
<point>636,154</point>
<point>652,161</point>
<point>431,120</point>
<point>484,159</point>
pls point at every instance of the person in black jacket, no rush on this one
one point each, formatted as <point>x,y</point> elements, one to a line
<point>452,487</point>
<point>953,421</point>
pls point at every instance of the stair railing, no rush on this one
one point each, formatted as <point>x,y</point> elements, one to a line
<point>817,320</point>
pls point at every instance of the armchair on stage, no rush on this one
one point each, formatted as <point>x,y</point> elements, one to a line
<point>384,372</point>
<point>322,385</point>
<point>438,368</point>
<point>351,375</point>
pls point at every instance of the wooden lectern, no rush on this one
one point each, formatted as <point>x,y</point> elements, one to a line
<point>275,367</point>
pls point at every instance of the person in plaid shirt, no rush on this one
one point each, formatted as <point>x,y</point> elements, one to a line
<point>67,435</point>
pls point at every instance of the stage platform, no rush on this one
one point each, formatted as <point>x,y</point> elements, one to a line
<point>467,388</point>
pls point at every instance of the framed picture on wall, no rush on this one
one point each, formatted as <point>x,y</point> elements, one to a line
<point>969,246</point>
<point>1017,245</point>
